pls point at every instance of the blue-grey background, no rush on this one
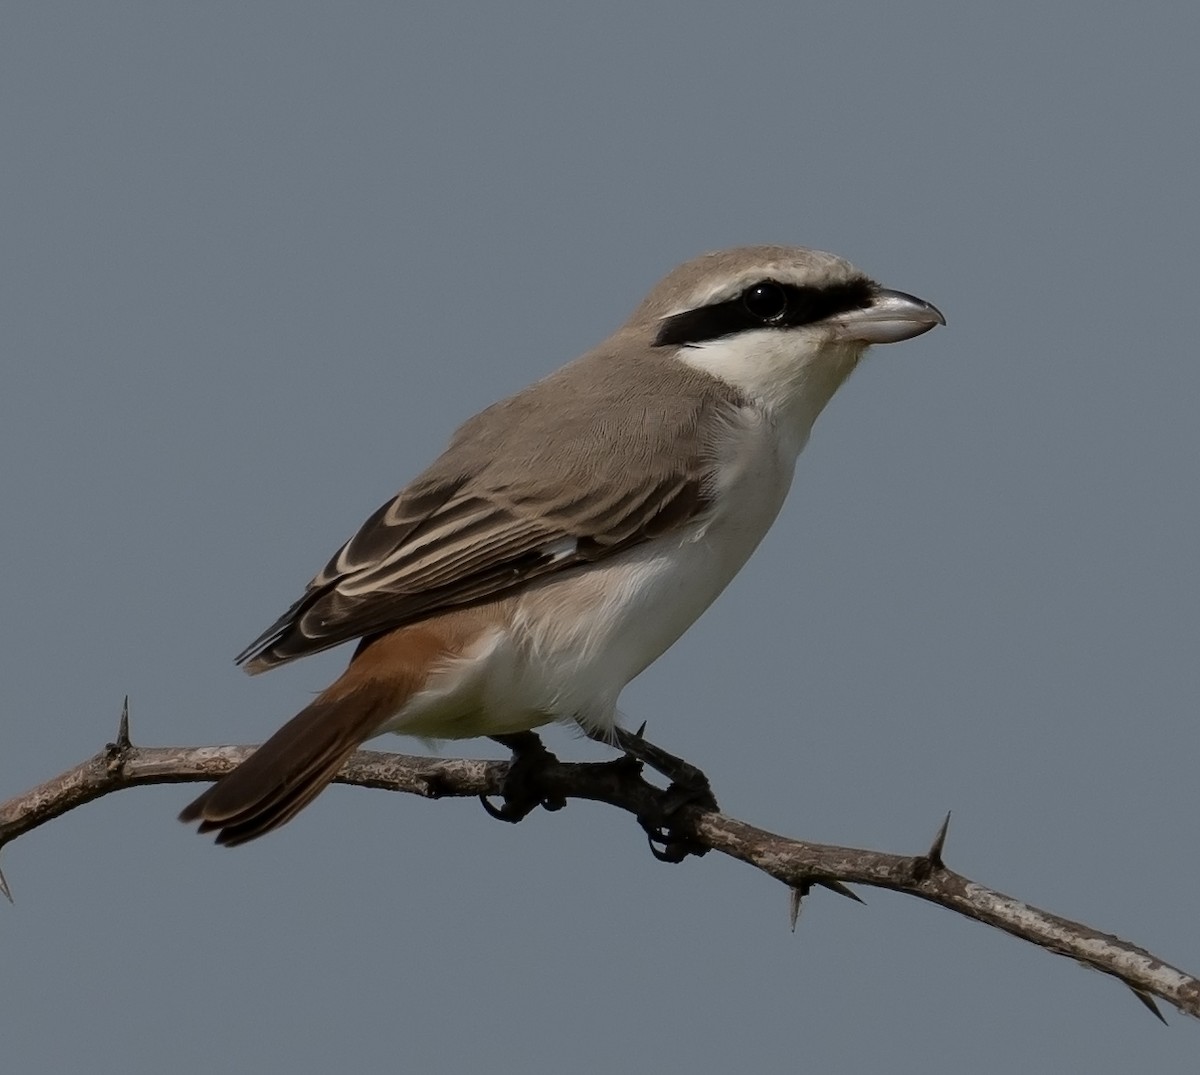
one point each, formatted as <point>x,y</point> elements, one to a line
<point>258,260</point>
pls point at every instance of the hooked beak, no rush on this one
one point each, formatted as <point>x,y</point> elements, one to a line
<point>891,317</point>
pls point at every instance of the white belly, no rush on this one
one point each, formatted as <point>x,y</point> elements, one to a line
<point>574,641</point>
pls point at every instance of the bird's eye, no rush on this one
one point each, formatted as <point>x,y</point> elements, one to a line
<point>765,301</point>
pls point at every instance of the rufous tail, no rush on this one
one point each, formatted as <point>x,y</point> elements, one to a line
<point>291,768</point>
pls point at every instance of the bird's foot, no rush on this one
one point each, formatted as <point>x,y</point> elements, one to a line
<point>668,834</point>
<point>669,840</point>
<point>522,791</point>
<point>689,785</point>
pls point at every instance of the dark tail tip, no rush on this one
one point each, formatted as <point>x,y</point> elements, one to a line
<point>285,774</point>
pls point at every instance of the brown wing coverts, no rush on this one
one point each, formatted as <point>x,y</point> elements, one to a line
<point>523,490</point>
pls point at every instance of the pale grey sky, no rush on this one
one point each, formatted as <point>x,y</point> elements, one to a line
<point>258,261</point>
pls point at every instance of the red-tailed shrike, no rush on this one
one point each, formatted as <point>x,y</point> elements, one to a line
<point>570,534</point>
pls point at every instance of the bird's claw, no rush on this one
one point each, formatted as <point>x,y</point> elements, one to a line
<point>522,790</point>
<point>689,785</point>
<point>668,839</point>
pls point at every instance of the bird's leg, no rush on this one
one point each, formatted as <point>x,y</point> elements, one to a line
<point>522,790</point>
<point>689,787</point>
<point>682,774</point>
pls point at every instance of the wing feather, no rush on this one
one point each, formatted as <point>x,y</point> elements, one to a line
<point>522,492</point>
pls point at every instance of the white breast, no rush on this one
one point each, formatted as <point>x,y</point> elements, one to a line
<point>574,641</point>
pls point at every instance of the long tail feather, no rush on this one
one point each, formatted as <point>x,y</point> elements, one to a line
<point>289,770</point>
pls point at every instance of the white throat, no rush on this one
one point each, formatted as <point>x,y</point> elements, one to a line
<point>790,377</point>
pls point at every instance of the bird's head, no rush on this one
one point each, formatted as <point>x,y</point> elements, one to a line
<point>784,325</point>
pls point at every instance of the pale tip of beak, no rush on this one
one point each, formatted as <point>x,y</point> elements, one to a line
<point>892,316</point>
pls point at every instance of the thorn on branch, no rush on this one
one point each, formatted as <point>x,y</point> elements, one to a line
<point>796,894</point>
<point>7,892</point>
<point>116,751</point>
<point>939,842</point>
<point>931,861</point>
<point>1148,1001</point>
<point>839,888</point>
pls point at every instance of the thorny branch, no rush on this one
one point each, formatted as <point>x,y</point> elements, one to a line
<point>798,864</point>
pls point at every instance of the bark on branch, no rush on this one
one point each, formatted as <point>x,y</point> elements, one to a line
<point>797,863</point>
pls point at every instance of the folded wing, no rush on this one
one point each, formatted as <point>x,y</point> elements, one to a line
<point>523,491</point>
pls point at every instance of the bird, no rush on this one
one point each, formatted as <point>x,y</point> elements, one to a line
<point>570,534</point>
